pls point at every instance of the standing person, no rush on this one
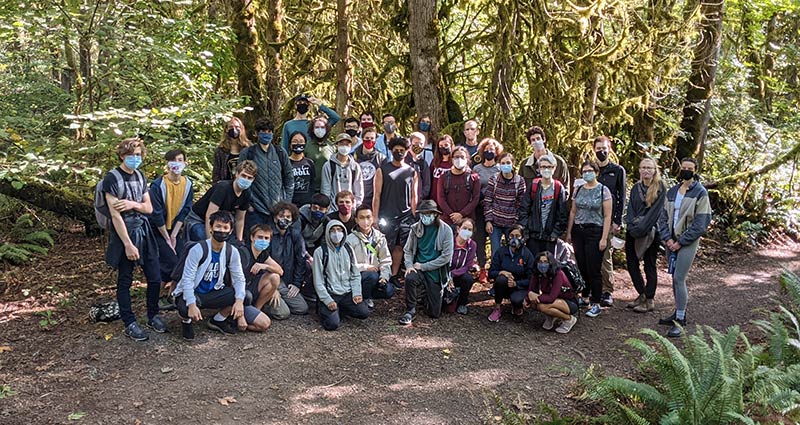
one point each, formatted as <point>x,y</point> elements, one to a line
<point>544,211</point>
<point>226,155</point>
<point>303,169</point>
<point>588,227</point>
<point>441,164</point>
<point>463,264</point>
<point>342,172</point>
<point>613,177</point>
<point>489,151</point>
<point>512,268</point>
<point>529,169</point>
<point>302,103</point>
<point>226,195</point>
<point>427,256</point>
<point>459,190</point>
<point>685,218</point>
<point>367,120</point>
<point>275,182</point>
<point>471,131</point>
<point>319,150</point>
<point>557,299</point>
<point>641,239</point>
<point>369,160</point>
<point>396,200</point>
<point>420,157</point>
<point>371,254</point>
<point>132,241</point>
<point>353,128</point>
<point>424,128</point>
<point>504,201</point>
<point>389,123</point>
<point>288,250</point>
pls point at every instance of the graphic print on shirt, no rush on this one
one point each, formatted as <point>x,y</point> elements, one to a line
<point>439,171</point>
<point>301,185</point>
<point>367,170</point>
<point>210,276</point>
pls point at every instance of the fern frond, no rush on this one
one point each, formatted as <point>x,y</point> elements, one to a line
<point>41,237</point>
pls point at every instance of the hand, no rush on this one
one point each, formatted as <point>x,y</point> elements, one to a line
<point>293,291</point>
<point>241,323</point>
<point>194,313</point>
<point>257,267</point>
<point>418,267</point>
<point>489,227</point>
<point>275,301</point>
<point>409,271</point>
<point>313,100</point>
<point>676,247</point>
<point>358,299</point>
<point>533,297</point>
<point>332,306</point>
<point>602,244</point>
<point>615,228</point>
<point>238,309</point>
<point>512,283</point>
<point>132,252</point>
<point>456,217</point>
<point>568,237</point>
<point>371,268</point>
<point>310,261</point>
<point>123,205</point>
<point>173,240</point>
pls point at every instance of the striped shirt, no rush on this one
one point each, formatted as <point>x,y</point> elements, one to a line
<point>503,200</point>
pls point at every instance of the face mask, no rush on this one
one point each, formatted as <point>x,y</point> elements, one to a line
<point>543,267</point>
<point>344,209</point>
<point>417,149</point>
<point>602,156</point>
<point>515,242</point>
<point>444,151</point>
<point>298,148</point>
<point>243,183</point>
<point>337,237</point>
<point>343,150</point>
<point>465,234</point>
<point>369,144</point>
<point>424,126</point>
<point>389,128</point>
<point>283,223</point>
<point>364,224</point>
<point>589,176</point>
<point>133,161</point>
<point>538,145</point>
<point>366,125</point>
<point>317,215</point>
<point>506,168</point>
<point>546,173</point>
<point>351,132</point>
<point>427,219</point>
<point>302,108</point>
<point>265,138</point>
<point>220,236</point>
<point>460,163</point>
<point>489,156</point>
<point>261,244</point>
<point>398,156</point>
<point>176,167</point>
<point>686,175</point>
<point>320,132</point>
<point>233,133</point>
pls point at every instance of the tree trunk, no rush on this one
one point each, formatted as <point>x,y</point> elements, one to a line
<point>344,66</point>
<point>697,108</point>
<point>502,121</point>
<point>273,37</point>
<point>59,201</point>
<point>426,76</point>
<point>249,60</point>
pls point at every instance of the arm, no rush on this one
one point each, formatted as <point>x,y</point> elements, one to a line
<point>333,117</point>
<point>273,266</point>
<point>385,259</point>
<point>664,229</point>
<point>377,189</point>
<point>562,216</point>
<point>325,183</point>
<point>119,223</point>
<point>571,220</point>
<point>319,279</point>
<point>287,174</point>
<point>186,284</point>
<point>414,200</point>
<point>475,196</point>
<point>447,251</point>
<point>559,280</point>
<point>240,218</point>
<point>440,195</point>
<point>525,207</point>
<point>425,178</point>
<point>355,281</point>
<point>299,257</point>
<point>185,209</point>
<point>354,243</point>
<point>608,207</point>
<point>237,274</point>
<point>619,199</point>
<point>702,218</point>
<point>409,249</point>
<point>488,200</point>
<point>158,216</point>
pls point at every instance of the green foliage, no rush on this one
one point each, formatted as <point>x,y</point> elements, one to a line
<point>520,413</point>
<point>746,233</point>
<point>48,319</point>
<point>28,241</point>
<point>6,391</point>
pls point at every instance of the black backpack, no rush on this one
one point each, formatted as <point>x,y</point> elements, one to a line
<point>177,272</point>
<point>573,276</point>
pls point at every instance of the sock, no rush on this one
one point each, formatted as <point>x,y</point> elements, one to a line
<point>680,314</point>
<point>219,318</point>
<point>186,320</point>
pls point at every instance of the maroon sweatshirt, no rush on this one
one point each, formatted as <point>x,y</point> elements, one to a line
<point>456,198</point>
<point>551,288</point>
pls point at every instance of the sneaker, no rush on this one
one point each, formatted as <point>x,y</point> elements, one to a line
<point>406,319</point>
<point>134,332</point>
<point>495,316</point>
<point>581,301</point>
<point>221,326</point>
<point>370,304</point>
<point>676,329</point>
<point>157,324</point>
<point>187,330</point>
<point>566,326</point>
<point>637,302</point>
<point>167,303</point>
<point>395,281</point>
<point>606,300</point>
<point>548,323</point>
<point>594,311</point>
<point>667,321</point>
<point>462,309</point>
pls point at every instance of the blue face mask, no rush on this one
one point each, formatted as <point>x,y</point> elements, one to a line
<point>543,267</point>
<point>265,138</point>
<point>243,183</point>
<point>133,161</point>
<point>506,168</point>
<point>317,215</point>
<point>424,126</point>
<point>427,219</point>
<point>261,244</point>
<point>589,176</point>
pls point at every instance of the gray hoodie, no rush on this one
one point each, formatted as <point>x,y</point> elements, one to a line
<point>343,177</point>
<point>341,275</point>
<point>444,244</point>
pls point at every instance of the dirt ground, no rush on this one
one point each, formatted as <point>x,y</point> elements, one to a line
<point>62,368</point>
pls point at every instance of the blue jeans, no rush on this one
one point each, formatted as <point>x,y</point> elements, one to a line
<point>370,289</point>
<point>197,232</point>
<point>496,237</point>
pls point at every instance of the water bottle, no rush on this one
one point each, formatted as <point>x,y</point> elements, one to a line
<point>673,258</point>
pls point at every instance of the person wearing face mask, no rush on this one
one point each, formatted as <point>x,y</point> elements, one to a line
<point>226,155</point>
<point>471,131</point>
<point>372,257</point>
<point>366,120</point>
<point>489,151</point>
<point>427,256</point>
<point>504,201</point>
<point>342,172</point>
<point>212,278</point>
<point>512,268</point>
<point>459,190</point>
<point>303,169</point>
<point>587,228</point>
<point>389,123</point>
<point>302,105</point>
<point>171,196</point>
<point>684,219</point>
<point>369,160</point>
<point>313,219</point>
<point>344,209</point>
<point>288,249</point>
<point>613,177</point>
<point>557,298</point>
<point>275,182</point>
<point>132,241</point>
<point>262,273</point>
<point>319,149</point>
<point>337,280</point>
<point>226,195</point>
<point>419,158</point>
<point>544,211</point>
<point>463,265</point>
<point>530,170</point>
<point>441,163</point>
<point>424,125</point>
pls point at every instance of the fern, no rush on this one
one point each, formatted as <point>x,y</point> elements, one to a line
<point>11,253</point>
<point>40,237</point>
<point>27,242</point>
<point>790,284</point>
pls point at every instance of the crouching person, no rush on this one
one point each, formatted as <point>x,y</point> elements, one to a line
<point>372,256</point>
<point>557,298</point>
<point>212,278</point>
<point>337,280</point>
<point>427,256</point>
<point>262,273</point>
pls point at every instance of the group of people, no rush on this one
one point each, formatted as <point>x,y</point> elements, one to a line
<point>329,224</point>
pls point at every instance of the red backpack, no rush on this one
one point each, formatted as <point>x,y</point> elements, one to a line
<point>535,187</point>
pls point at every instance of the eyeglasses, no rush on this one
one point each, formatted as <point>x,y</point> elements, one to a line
<point>470,129</point>
<point>647,168</point>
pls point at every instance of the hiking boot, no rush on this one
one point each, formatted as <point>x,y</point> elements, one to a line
<point>637,302</point>
<point>187,330</point>
<point>221,326</point>
<point>370,304</point>
<point>134,332</point>
<point>567,325</point>
<point>606,300</point>
<point>667,321</point>
<point>167,303</point>
<point>407,318</point>
<point>644,307</point>
<point>594,311</point>
<point>548,323</point>
<point>157,324</point>
<point>676,329</point>
<point>395,281</point>
<point>462,309</point>
<point>495,316</point>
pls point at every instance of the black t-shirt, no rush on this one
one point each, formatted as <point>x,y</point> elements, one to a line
<point>349,224</point>
<point>248,261</point>
<point>133,188</point>
<point>396,190</point>
<point>304,176</point>
<point>223,195</point>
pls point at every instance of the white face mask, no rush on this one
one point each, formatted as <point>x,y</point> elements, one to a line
<point>343,150</point>
<point>546,173</point>
<point>176,166</point>
<point>319,132</point>
<point>460,163</point>
<point>465,234</point>
<point>336,237</point>
<point>538,145</point>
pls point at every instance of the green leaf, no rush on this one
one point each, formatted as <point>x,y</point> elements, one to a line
<point>17,185</point>
<point>76,416</point>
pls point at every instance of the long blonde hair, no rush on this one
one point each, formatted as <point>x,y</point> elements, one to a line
<point>656,186</point>
<point>242,141</point>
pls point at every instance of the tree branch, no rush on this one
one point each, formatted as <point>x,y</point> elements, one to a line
<point>744,175</point>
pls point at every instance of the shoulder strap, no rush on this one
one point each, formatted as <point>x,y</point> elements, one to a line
<point>534,188</point>
<point>332,165</point>
<point>447,179</point>
<point>556,189</point>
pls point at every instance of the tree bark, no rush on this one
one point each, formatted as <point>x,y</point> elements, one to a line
<point>59,201</point>
<point>426,77</point>
<point>746,175</point>
<point>249,60</point>
<point>344,66</point>
<point>697,108</point>
<point>503,72</point>
<point>273,37</point>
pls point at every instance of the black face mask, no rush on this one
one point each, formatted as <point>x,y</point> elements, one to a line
<point>220,236</point>
<point>686,175</point>
<point>602,156</point>
<point>351,132</point>
<point>233,133</point>
<point>298,148</point>
<point>398,156</point>
<point>515,242</point>
<point>283,223</point>
<point>489,155</point>
<point>302,108</point>
<point>444,151</point>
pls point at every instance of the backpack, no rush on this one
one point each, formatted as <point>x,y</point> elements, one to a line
<point>573,276</point>
<point>333,166</point>
<point>448,175</point>
<point>177,272</point>
<point>101,211</point>
<point>324,247</point>
<point>535,188</point>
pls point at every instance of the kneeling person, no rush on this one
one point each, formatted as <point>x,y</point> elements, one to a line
<point>337,280</point>
<point>372,257</point>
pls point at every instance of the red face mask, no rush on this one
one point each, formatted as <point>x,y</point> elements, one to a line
<point>369,144</point>
<point>367,124</point>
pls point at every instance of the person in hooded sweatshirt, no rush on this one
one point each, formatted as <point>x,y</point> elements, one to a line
<point>341,172</point>
<point>337,280</point>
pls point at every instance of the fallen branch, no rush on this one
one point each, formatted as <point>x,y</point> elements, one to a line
<point>57,200</point>
<point>746,175</point>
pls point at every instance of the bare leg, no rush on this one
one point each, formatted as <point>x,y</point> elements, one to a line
<point>397,258</point>
<point>267,287</point>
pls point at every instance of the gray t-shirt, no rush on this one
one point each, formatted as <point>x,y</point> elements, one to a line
<point>548,196</point>
<point>484,173</point>
<point>589,205</point>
